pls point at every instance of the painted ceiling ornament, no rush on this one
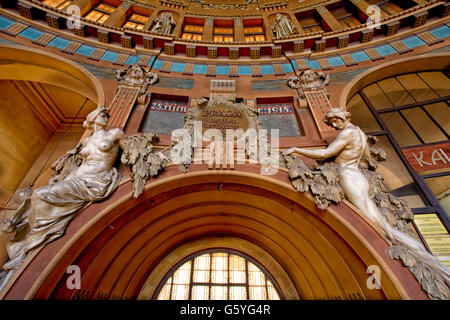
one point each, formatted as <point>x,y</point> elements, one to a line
<point>84,175</point>
<point>136,76</point>
<point>283,26</point>
<point>223,6</point>
<point>347,169</point>
<point>309,80</point>
<point>163,23</point>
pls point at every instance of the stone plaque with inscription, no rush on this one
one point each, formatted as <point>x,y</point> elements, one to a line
<point>222,114</point>
<point>223,117</point>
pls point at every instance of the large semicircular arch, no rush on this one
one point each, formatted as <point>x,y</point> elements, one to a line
<point>120,242</point>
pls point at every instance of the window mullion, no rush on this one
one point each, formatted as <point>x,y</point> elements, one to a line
<point>191,279</point>
<point>247,283</point>
<point>435,122</point>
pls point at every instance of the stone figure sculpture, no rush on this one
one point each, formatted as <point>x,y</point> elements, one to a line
<point>351,173</point>
<point>163,23</point>
<point>85,174</point>
<point>283,26</point>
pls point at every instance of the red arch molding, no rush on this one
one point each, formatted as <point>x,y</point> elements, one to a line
<point>117,243</point>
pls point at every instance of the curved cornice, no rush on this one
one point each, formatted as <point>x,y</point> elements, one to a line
<point>21,63</point>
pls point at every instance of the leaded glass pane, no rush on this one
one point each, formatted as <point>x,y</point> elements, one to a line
<point>200,293</point>
<point>258,293</point>
<point>180,292</point>
<point>238,293</point>
<point>183,274</point>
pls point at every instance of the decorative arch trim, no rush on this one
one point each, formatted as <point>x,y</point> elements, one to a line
<point>265,259</point>
<point>119,243</point>
<point>20,63</point>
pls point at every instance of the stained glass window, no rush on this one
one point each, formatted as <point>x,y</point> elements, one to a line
<point>223,34</point>
<point>253,34</point>
<point>218,275</point>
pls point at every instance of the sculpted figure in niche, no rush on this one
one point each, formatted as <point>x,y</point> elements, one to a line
<point>349,149</point>
<point>163,23</point>
<point>283,26</point>
<point>85,174</point>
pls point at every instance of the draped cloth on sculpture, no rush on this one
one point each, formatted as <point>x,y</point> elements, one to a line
<point>62,200</point>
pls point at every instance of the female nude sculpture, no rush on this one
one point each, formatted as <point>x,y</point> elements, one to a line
<point>86,175</point>
<point>348,148</point>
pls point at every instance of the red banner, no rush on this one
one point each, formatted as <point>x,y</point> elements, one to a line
<point>429,157</point>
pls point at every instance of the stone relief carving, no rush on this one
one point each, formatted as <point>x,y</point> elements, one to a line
<point>352,174</point>
<point>309,80</point>
<point>83,175</point>
<point>163,23</point>
<point>136,76</point>
<point>138,153</point>
<point>283,26</point>
<point>200,105</point>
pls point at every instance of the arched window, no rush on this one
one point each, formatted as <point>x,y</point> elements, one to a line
<point>218,275</point>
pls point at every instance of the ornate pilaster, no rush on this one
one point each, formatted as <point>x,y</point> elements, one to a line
<point>311,89</point>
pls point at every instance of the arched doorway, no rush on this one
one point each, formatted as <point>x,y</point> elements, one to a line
<point>120,243</point>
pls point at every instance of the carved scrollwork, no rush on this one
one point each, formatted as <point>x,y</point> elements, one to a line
<point>136,76</point>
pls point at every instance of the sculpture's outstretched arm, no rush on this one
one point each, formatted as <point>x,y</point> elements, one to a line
<point>332,150</point>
